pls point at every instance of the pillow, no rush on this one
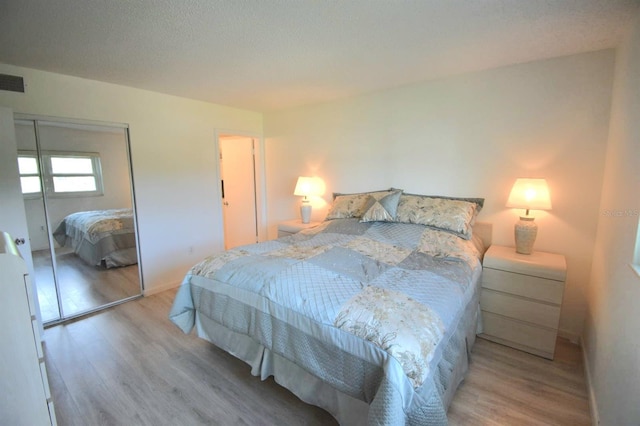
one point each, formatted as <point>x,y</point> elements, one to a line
<point>445,245</point>
<point>478,201</point>
<point>381,207</point>
<point>346,206</point>
<point>445,213</point>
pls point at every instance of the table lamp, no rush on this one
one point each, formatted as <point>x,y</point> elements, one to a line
<point>528,194</point>
<point>305,187</point>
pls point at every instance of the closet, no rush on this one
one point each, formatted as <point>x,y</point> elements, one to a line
<point>76,181</point>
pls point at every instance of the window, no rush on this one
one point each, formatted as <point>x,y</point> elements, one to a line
<point>65,174</point>
<point>29,174</point>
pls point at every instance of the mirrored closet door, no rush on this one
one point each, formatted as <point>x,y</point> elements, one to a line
<point>78,194</point>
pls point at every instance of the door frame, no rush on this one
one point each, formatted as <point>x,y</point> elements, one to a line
<point>259,171</point>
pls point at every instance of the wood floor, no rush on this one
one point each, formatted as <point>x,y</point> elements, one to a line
<point>509,387</point>
<point>130,366</point>
<point>82,287</point>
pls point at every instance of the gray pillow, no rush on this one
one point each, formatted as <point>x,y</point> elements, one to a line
<point>346,206</point>
<point>382,208</point>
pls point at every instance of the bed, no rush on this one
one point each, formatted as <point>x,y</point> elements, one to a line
<point>103,238</point>
<point>370,315</point>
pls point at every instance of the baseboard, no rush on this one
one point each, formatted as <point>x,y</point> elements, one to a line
<point>572,337</point>
<point>593,406</point>
<point>160,288</point>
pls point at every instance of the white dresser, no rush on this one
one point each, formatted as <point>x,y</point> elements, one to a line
<point>521,299</point>
<point>25,398</point>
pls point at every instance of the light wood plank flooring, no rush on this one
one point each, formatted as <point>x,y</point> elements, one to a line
<point>130,366</point>
<point>509,387</point>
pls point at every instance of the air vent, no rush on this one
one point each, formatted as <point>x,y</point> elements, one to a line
<point>11,83</point>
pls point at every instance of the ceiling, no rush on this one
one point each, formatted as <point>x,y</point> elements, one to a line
<point>265,55</point>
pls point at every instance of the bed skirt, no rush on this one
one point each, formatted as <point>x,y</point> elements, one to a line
<point>346,409</point>
<point>111,252</point>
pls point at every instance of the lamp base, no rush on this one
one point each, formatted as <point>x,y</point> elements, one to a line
<point>305,212</point>
<point>525,232</point>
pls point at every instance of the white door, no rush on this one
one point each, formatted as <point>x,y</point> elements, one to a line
<point>12,214</point>
<point>237,169</point>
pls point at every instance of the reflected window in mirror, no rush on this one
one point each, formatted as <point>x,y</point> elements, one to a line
<point>65,174</point>
<point>29,174</point>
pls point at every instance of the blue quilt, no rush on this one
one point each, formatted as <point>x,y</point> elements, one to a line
<point>377,309</point>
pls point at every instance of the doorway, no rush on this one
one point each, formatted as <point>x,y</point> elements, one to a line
<point>238,187</point>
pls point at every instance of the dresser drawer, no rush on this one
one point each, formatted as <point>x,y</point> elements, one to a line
<point>526,310</point>
<point>538,340</point>
<point>523,285</point>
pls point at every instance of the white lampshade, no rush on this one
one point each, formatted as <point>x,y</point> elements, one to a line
<point>305,186</point>
<point>529,194</point>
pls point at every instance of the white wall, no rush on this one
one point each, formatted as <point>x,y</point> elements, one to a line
<point>173,155</point>
<point>468,135</point>
<point>611,337</point>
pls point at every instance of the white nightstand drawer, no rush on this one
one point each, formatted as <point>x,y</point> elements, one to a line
<point>521,298</point>
<point>526,310</point>
<point>537,340</point>
<point>290,227</point>
<point>538,264</point>
<point>523,285</point>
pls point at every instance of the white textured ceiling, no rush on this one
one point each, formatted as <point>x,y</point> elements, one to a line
<point>270,54</point>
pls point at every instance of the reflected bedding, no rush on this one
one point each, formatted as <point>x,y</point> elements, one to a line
<point>100,237</point>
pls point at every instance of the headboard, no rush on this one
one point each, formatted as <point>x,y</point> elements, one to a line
<point>485,231</point>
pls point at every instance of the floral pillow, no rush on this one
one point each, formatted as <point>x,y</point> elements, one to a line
<point>452,215</point>
<point>346,206</point>
<point>445,245</point>
<point>381,207</point>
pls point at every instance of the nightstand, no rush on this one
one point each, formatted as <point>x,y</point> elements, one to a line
<point>521,297</point>
<point>290,227</point>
